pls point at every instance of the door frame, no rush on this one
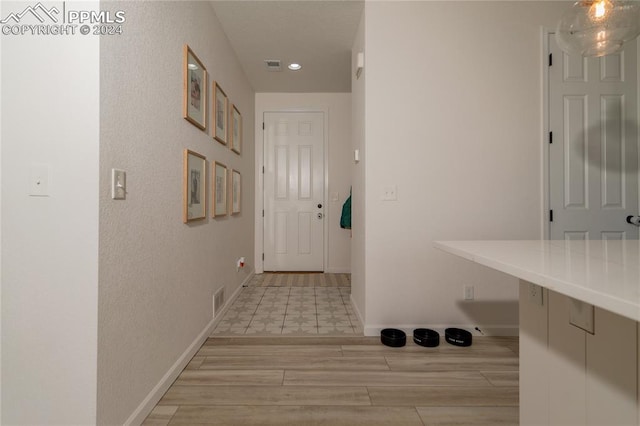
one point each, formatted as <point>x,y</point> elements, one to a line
<point>546,184</point>
<point>259,184</point>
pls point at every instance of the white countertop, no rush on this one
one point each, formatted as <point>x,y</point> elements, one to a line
<point>604,273</point>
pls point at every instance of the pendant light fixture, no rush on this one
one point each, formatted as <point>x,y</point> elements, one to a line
<point>598,27</point>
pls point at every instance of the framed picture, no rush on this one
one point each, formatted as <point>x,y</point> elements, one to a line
<point>219,189</point>
<point>236,191</point>
<point>220,106</point>
<point>235,122</point>
<point>195,90</point>
<point>194,191</point>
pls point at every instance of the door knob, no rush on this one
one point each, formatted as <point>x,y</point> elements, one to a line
<point>320,216</point>
<point>634,220</point>
<point>319,206</point>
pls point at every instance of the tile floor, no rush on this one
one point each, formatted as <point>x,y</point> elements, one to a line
<point>292,311</point>
<point>303,279</point>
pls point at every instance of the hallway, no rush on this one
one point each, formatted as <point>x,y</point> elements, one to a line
<point>105,301</point>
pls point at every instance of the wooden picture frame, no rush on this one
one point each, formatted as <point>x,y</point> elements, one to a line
<point>219,194</point>
<point>235,130</point>
<point>194,104</point>
<point>194,186</point>
<point>220,113</point>
<point>236,191</point>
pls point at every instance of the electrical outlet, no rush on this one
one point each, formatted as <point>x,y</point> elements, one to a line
<point>468,292</point>
<point>535,294</point>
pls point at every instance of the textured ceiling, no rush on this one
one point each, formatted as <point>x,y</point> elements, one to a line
<point>317,34</point>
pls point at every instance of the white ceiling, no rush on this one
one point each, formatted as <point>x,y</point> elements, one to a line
<point>317,34</point>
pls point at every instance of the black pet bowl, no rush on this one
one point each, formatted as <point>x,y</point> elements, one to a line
<point>457,337</point>
<point>426,337</point>
<point>393,337</point>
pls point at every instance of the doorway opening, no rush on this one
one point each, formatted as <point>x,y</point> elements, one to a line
<point>294,191</point>
<point>592,149</point>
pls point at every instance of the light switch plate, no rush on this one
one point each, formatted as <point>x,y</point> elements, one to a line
<point>39,180</point>
<point>118,184</point>
<point>390,193</point>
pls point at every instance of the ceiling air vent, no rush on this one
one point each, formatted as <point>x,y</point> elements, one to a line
<point>273,64</point>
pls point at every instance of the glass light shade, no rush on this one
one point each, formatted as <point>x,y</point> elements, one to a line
<point>598,27</point>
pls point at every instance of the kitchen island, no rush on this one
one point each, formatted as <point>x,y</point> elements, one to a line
<point>579,335</point>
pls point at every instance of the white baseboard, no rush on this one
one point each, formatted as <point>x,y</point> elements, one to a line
<point>357,311</point>
<point>338,271</point>
<point>496,330</point>
<point>491,330</point>
<point>150,401</point>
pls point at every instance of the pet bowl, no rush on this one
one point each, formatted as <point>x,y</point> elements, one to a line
<point>426,337</point>
<point>457,337</point>
<point>393,337</point>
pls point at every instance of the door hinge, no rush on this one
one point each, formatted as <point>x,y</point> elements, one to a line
<point>550,137</point>
<point>262,213</point>
<point>262,256</point>
<point>262,169</point>
<point>263,125</point>
<point>550,215</point>
<point>550,59</point>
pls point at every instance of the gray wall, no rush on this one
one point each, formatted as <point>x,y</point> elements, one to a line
<point>158,275</point>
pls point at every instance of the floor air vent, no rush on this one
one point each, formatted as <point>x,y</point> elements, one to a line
<point>218,301</point>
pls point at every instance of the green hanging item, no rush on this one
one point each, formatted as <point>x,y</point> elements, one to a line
<point>345,218</point>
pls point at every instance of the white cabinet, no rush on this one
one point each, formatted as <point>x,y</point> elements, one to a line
<point>567,384</point>
<point>571,377</point>
<point>534,377</point>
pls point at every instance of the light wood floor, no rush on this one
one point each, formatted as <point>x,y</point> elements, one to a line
<point>344,381</point>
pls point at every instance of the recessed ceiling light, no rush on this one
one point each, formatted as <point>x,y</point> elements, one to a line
<point>294,66</point>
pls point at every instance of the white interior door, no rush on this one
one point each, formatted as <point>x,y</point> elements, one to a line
<point>294,191</point>
<point>593,155</point>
